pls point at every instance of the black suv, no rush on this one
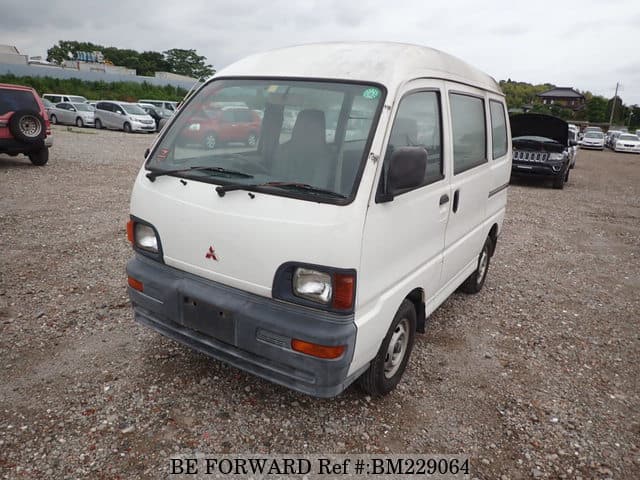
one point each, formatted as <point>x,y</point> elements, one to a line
<point>24,124</point>
<point>541,147</point>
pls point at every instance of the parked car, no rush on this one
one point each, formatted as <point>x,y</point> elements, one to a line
<point>608,136</point>
<point>165,104</point>
<point>24,125</point>
<point>59,98</point>
<point>123,116</point>
<point>47,104</point>
<point>213,127</point>
<point>611,139</point>
<point>541,147</point>
<point>593,140</point>
<point>573,145</point>
<point>160,115</point>
<point>316,263</point>
<point>78,114</point>
<point>627,142</point>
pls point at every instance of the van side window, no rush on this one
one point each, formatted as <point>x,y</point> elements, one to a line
<point>417,123</point>
<point>469,132</point>
<point>498,129</point>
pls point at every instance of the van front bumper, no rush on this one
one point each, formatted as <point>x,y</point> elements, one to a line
<point>245,330</point>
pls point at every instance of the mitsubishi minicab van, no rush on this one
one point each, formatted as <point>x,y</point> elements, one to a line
<point>312,256</point>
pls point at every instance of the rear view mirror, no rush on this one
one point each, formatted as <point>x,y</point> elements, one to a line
<point>406,170</point>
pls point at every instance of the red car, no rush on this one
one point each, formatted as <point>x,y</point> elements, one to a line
<point>24,124</point>
<point>223,125</point>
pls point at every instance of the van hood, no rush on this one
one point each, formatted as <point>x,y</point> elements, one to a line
<point>539,125</point>
<point>240,240</point>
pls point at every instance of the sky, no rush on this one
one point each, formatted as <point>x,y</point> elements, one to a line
<point>586,44</point>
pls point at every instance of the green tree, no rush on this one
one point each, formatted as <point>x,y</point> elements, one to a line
<point>187,62</point>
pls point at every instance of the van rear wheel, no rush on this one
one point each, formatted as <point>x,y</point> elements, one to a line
<point>475,281</point>
<point>386,369</point>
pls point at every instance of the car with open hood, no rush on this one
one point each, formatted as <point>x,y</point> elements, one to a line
<point>541,147</point>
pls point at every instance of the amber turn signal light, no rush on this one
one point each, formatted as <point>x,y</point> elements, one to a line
<point>315,350</point>
<point>135,284</point>
<point>130,225</point>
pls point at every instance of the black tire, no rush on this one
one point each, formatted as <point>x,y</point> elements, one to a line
<point>252,139</point>
<point>40,157</point>
<point>98,124</point>
<point>27,126</point>
<point>383,375</point>
<point>126,127</point>
<point>54,119</point>
<point>79,122</point>
<point>558,182</point>
<point>475,281</point>
<point>210,141</point>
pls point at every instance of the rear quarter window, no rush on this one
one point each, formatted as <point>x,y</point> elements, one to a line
<point>14,100</point>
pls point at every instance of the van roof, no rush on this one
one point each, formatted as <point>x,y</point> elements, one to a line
<point>390,64</point>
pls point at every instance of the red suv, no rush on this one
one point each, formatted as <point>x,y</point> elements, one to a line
<point>223,125</point>
<point>24,124</point>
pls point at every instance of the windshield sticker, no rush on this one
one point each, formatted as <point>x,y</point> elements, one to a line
<point>371,93</point>
<point>272,88</point>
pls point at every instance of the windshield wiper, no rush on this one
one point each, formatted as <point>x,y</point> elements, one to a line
<point>153,174</point>
<point>223,189</point>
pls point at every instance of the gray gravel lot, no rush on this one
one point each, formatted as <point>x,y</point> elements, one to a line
<point>535,377</point>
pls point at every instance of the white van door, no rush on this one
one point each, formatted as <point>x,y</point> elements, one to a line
<point>470,183</point>
<point>403,239</point>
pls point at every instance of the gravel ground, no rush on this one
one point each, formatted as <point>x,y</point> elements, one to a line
<point>535,377</point>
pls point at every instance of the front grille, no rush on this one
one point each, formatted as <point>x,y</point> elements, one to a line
<point>524,156</point>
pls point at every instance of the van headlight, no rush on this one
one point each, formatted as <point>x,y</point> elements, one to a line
<point>145,238</point>
<point>317,286</point>
<point>312,285</point>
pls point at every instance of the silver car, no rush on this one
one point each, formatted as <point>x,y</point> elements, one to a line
<point>123,116</point>
<point>78,114</point>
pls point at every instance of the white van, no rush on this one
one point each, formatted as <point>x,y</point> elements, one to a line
<point>310,259</point>
<point>59,98</point>
<point>165,104</point>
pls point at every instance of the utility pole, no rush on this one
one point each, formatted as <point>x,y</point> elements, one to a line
<point>613,107</point>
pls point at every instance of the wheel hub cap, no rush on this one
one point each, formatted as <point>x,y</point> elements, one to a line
<point>30,126</point>
<point>397,348</point>
<point>482,266</point>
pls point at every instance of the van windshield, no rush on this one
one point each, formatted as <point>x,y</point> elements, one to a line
<point>304,132</point>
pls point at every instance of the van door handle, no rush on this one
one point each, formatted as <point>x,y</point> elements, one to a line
<point>456,200</point>
<point>444,199</point>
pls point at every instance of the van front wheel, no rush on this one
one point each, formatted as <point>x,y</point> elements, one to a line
<point>386,369</point>
<point>475,282</point>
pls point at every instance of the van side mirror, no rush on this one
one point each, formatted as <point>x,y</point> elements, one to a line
<point>406,170</point>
